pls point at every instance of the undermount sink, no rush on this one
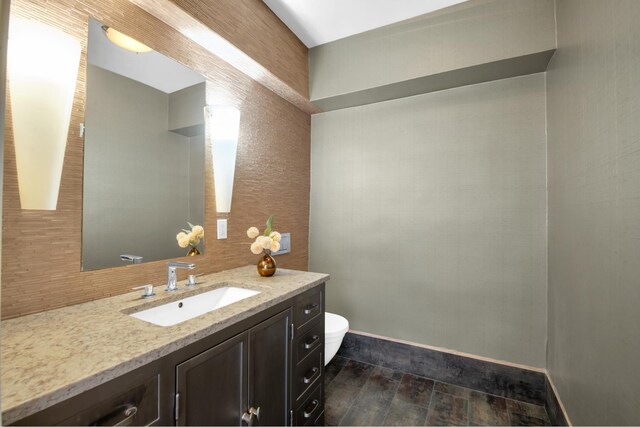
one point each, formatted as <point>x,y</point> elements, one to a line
<point>179,311</point>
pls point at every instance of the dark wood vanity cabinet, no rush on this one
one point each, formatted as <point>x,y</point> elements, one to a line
<point>211,388</point>
<point>269,370</point>
<point>308,358</point>
<point>264,370</point>
<point>243,379</point>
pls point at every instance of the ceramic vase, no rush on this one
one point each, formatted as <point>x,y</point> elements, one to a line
<point>267,266</point>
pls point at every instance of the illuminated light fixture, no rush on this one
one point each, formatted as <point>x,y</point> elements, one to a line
<point>224,125</point>
<point>43,69</point>
<point>124,41</point>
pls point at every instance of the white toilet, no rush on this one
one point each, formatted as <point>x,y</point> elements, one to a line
<point>334,329</point>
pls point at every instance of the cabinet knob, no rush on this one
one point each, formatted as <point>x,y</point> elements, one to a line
<point>251,416</point>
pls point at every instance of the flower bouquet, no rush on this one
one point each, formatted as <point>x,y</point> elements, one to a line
<point>191,238</point>
<point>265,243</point>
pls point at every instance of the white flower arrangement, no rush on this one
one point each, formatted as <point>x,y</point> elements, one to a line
<point>190,237</point>
<point>266,243</point>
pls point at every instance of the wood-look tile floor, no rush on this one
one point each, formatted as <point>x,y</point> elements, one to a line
<point>358,394</point>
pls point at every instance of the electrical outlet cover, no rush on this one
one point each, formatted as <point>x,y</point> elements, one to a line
<point>285,244</point>
<point>222,229</point>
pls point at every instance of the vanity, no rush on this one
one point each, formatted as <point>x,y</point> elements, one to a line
<point>256,361</point>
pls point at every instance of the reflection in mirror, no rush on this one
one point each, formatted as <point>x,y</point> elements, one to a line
<point>144,154</point>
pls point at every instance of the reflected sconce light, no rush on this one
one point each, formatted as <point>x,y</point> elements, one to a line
<point>223,122</point>
<point>43,69</point>
<point>124,41</point>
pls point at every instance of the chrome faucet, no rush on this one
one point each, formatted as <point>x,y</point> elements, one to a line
<point>172,282</point>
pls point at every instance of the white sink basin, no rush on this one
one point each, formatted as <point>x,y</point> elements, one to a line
<point>179,311</point>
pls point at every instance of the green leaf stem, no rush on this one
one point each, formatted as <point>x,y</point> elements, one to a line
<point>267,230</point>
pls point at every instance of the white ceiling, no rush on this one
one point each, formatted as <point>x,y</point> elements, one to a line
<point>151,68</point>
<point>317,22</point>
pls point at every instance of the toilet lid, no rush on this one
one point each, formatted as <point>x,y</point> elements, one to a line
<point>335,324</point>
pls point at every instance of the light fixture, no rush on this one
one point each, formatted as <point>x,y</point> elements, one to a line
<point>43,68</point>
<point>223,123</point>
<point>124,41</point>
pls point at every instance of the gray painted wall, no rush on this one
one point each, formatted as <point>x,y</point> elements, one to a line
<point>186,109</point>
<point>594,211</point>
<point>429,212</point>
<point>469,34</point>
<point>137,173</point>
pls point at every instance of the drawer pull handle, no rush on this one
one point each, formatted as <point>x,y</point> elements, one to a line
<point>129,413</point>
<point>314,373</point>
<point>310,308</point>
<point>311,408</point>
<point>310,344</point>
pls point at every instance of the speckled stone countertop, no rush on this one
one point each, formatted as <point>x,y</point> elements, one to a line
<point>51,356</point>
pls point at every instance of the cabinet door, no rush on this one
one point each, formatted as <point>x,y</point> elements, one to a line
<point>211,386</point>
<point>269,369</point>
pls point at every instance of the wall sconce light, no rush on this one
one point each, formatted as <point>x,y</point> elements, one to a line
<point>224,125</point>
<point>124,41</point>
<point>43,69</point>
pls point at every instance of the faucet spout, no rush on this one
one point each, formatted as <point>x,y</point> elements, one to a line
<point>131,258</point>
<point>178,264</point>
<point>172,281</point>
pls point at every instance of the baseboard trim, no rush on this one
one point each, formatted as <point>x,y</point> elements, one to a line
<point>555,408</point>
<point>471,372</point>
<point>450,351</point>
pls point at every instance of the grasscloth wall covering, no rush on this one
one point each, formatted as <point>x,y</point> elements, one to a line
<point>593,105</point>
<point>4,19</point>
<point>41,266</point>
<point>254,28</point>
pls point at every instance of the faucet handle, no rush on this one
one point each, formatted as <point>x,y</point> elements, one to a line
<point>147,292</point>
<point>191,280</point>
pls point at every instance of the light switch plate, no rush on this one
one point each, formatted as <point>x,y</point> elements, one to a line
<point>285,244</point>
<point>222,229</point>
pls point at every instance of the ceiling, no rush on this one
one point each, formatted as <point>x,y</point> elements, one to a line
<point>316,22</point>
<point>151,68</point>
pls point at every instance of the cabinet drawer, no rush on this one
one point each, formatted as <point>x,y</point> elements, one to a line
<point>137,406</point>
<point>319,420</point>
<point>308,307</point>
<point>311,409</point>
<point>308,372</point>
<point>310,341</point>
<point>128,403</point>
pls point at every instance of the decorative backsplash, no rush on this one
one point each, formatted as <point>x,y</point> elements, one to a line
<point>41,262</point>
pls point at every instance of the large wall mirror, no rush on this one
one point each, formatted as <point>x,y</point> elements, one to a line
<point>144,155</point>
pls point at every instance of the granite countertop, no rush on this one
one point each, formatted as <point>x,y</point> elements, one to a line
<point>54,355</point>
